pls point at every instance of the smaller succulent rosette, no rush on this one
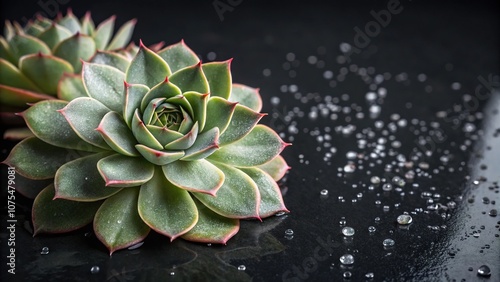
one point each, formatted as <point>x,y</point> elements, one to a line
<point>160,142</point>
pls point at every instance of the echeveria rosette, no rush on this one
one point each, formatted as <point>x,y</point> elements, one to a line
<point>164,143</point>
<point>42,60</point>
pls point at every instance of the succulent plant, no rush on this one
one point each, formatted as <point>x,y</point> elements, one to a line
<point>41,60</point>
<point>162,142</point>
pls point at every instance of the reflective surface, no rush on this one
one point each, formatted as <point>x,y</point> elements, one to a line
<point>393,122</point>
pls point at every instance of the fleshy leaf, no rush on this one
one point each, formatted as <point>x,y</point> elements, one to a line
<point>117,134</point>
<point>147,68</point>
<point>103,33</point>
<point>276,167</point>
<point>133,97</point>
<point>246,96</point>
<point>163,134</point>
<point>191,78</point>
<point>117,223</point>
<point>21,45</point>
<point>84,115</point>
<point>70,22</point>
<point>57,215</point>
<point>123,171</point>
<point>167,209</point>
<point>199,104</point>
<point>19,97</point>
<point>142,133</point>
<point>237,198</point>
<point>55,34</point>
<point>122,36</point>
<point>159,157</point>
<point>178,56</point>
<point>220,112</point>
<point>79,180</point>
<point>195,176</point>
<point>111,59</point>
<point>205,144</point>
<point>71,87</point>
<point>261,145</point>
<point>11,76</point>
<point>164,89</point>
<point>44,71</point>
<point>74,49</point>
<point>242,122</point>
<point>44,165</point>
<point>105,84</point>
<point>271,200</point>
<point>185,141</point>
<point>30,188</point>
<point>219,78</point>
<point>211,227</point>
<point>33,29</point>
<point>50,126</point>
<point>87,25</point>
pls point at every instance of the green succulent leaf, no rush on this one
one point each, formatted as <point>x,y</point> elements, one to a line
<point>87,25</point>
<point>199,104</point>
<point>220,113</point>
<point>261,145</point>
<point>113,59</point>
<point>30,188</point>
<point>11,76</point>
<point>205,144</point>
<point>191,78</point>
<point>75,49</point>
<point>49,125</point>
<point>133,97</point>
<point>246,96</point>
<point>117,223</point>
<point>208,178</point>
<point>19,97</point>
<point>276,167</point>
<point>57,215</point>
<point>165,208</point>
<point>117,134</point>
<point>53,35</point>
<point>142,134</point>
<point>163,134</point>
<point>79,180</point>
<point>178,56</point>
<point>21,45</point>
<point>159,157</point>
<point>70,22</point>
<point>5,51</point>
<point>237,198</point>
<point>165,89</point>
<point>105,84</point>
<point>84,115</point>
<point>45,71</point>
<point>147,68</point>
<point>242,122</point>
<point>271,201</point>
<point>122,36</point>
<point>33,29</point>
<point>185,141</point>
<point>219,78</point>
<point>48,158</point>
<point>212,227</point>
<point>122,171</point>
<point>9,30</point>
<point>71,87</point>
<point>103,33</point>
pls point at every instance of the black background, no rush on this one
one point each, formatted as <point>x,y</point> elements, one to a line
<point>449,42</point>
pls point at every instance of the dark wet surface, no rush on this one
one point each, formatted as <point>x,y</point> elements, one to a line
<point>431,66</point>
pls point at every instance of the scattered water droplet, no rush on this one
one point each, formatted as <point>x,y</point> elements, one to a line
<point>289,232</point>
<point>95,269</point>
<point>324,192</point>
<point>242,267</point>
<point>349,168</point>
<point>404,219</point>
<point>45,251</point>
<point>484,271</point>
<point>172,273</point>
<point>136,246</point>
<point>371,229</point>
<point>369,275</point>
<point>347,275</point>
<point>387,187</point>
<point>493,212</point>
<point>348,231</point>
<point>347,259</point>
<point>388,243</point>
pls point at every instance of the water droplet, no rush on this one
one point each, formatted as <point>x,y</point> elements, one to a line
<point>289,232</point>
<point>172,273</point>
<point>242,267</point>
<point>348,231</point>
<point>349,168</point>
<point>493,212</point>
<point>347,274</point>
<point>388,243</point>
<point>324,192</point>
<point>371,229</point>
<point>369,275</point>
<point>347,259</point>
<point>404,219</point>
<point>375,180</point>
<point>387,187</point>
<point>484,271</point>
<point>136,246</point>
<point>45,251</point>
<point>95,269</point>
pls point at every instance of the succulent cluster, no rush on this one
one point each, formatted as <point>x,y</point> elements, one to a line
<point>42,60</point>
<point>160,141</point>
